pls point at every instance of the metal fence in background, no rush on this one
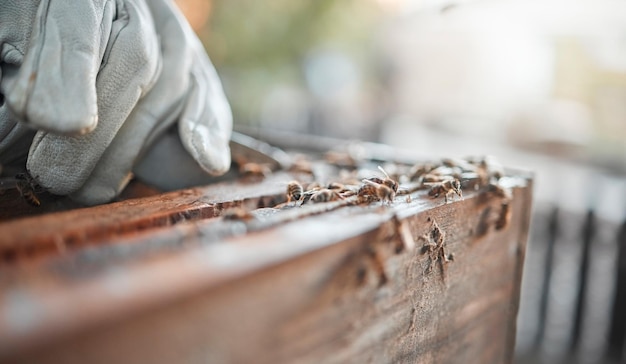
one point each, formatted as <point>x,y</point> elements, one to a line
<point>573,302</point>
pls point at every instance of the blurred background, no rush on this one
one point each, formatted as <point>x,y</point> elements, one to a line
<point>541,85</point>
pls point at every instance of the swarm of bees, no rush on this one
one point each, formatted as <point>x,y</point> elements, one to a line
<point>450,176</point>
<point>446,178</point>
<point>372,189</point>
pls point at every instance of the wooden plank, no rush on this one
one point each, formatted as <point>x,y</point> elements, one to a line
<point>354,284</point>
<point>65,231</point>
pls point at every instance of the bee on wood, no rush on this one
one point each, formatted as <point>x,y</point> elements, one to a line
<point>310,190</point>
<point>434,178</point>
<point>28,188</point>
<point>500,191</point>
<point>488,169</point>
<point>389,182</point>
<point>326,195</point>
<point>335,186</point>
<point>344,190</point>
<point>505,207</point>
<point>419,170</point>
<point>505,215</point>
<point>237,214</point>
<point>496,170</point>
<point>348,192</point>
<point>448,187</point>
<point>367,193</point>
<point>372,191</point>
<point>255,170</point>
<point>434,246</point>
<point>301,165</point>
<point>313,186</point>
<point>446,172</point>
<point>342,159</point>
<point>294,191</point>
<point>482,170</point>
<point>463,165</point>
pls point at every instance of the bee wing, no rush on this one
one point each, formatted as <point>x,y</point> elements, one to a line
<point>382,170</point>
<point>367,181</point>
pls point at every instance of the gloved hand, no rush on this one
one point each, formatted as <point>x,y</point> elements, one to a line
<point>100,80</point>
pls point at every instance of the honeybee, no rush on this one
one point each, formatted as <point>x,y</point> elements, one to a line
<point>313,186</point>
<point>448,187</point>
<point>326,195</point>
<point>335,186</point>
<point>255,170</point>
<point>237,213</point>
<point>343,190</point>
<point>434,178</point>
<point>372,191</point>
<point>27,187</point>
<point>500,191</point>
<point>482,170</point>
<point>348,191</point>
<point>341,159</point>
<point>505,215</point>
<point>496,170</point>
<point>462,164</point>
<point>367,193</point>
<point>445,172</point>
<point>419,170</point>
<point>434,245</point>
<point>488,169</point>
<point>389,182</point>
<point>294,191</point>
<point>301,165</point>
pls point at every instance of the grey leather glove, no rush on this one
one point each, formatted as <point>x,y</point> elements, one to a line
<point>100,80</point>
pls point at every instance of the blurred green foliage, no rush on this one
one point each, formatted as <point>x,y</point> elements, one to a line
<point>256,45</point>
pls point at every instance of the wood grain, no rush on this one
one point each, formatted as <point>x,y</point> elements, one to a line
<point>350,285</point>
<point>65,231</point>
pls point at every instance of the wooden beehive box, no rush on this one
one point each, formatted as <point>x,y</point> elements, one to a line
<point>166,278</point>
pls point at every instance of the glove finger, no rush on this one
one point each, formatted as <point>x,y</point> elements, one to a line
<point>11,131</point>
<point>63,163</point>
<point>206,122</point>
<point>157,110</point>
<point>153,114</point>
<point>55,86</point>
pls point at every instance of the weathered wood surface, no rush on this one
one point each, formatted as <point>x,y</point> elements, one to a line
<point>51,234</point>
<point>345,284</point>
